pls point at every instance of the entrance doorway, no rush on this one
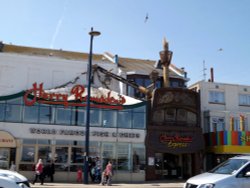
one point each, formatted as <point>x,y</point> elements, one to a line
<point>6,156</point>
<point>168,166</point>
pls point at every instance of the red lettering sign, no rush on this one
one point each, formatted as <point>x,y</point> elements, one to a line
<point>175,141</point>
<point>37,94</point>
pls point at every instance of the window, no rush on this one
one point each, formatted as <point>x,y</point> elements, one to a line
<point>139,159</point>
<point>123,153</point>
<point>109,118</point>
<point>218,124</point>
<point>170,114</point>
<point>28,154</point>
<point>95,117</point>
<point>13,112</point>
<point>80,117</point>
<point>216,97</point>
<point>108,153</point>
<point>77,155</point>
<point>63,116</point>
<point>139,120</point>
<point>124,119</point>
<point>158,116</point>
<point>181,115</point>
<point>244,99</point>
<point>30,114</point>
<point>45,114</point>
<point>44,153</point>
<point>191,118</point>
<point>2,110</point>
<point>61,155</point>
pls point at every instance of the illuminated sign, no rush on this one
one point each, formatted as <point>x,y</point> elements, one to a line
<point>175,141</point>
<point>41,96</point>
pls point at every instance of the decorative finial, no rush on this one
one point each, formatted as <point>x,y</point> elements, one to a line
<point>165,44</point>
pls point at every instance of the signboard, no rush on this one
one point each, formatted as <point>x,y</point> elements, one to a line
<point>38,95</point>
<point>7,140</point>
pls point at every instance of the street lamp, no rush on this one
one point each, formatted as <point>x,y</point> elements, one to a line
<point>92,34</point>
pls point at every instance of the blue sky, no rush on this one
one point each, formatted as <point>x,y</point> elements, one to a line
<point>195,29</point>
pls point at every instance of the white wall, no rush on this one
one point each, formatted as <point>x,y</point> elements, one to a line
<point>18,72</point>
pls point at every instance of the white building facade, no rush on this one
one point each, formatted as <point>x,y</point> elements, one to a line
<point>42,117</point>
<point>225,113</point>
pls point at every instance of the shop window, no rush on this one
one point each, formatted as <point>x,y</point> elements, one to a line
<point>61,155</point>
<point>123,162</point>
<point>13,112</point>
<point>109,118</point>
<point>95,117</point>
<point>124,119</point>
<point>139,120</point>
<point>77,155</point>
<point>28,154</point>
<point>44,153</point>
<point>218,124</point>
<point>94,149</point>
<point>138,157</point>
<point>63,116</point>
<point>30,114</point>
<point>45,114</point>
<point>4,158</point>
<point>108,154</point>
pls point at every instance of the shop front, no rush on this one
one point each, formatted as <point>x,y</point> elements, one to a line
<point>7,149</point>
<point>174,153</point>
<point>174,140</point>
<point>50,125</point>
<point>222,145</point>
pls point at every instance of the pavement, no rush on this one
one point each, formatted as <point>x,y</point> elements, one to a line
<point>161,184</point>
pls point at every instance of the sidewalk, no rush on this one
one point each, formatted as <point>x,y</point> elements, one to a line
<point>161,184</point>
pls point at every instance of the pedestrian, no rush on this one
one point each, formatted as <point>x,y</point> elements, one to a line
<point>79,175</point>
<point>38,172</point>
<point>107,174</point>
<point>51,171</point>
<point>12,166</point>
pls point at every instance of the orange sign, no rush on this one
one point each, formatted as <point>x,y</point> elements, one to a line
<point>175,141</point>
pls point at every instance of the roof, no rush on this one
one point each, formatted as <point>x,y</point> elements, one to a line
<point>138,66</point>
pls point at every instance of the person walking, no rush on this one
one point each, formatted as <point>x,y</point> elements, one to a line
<point>38,172</point>
<point>52,171</point>
<point>107,174</point>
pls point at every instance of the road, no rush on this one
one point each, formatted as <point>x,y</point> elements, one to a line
<point>124,185</point>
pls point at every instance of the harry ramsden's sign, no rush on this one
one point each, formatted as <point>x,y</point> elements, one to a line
<point>175,141</point>
<point>82,133</point>
<point>41,96</point>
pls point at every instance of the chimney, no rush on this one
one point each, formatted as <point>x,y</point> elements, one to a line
<point>212,74</point>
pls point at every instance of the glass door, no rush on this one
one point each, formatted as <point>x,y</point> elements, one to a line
<point>4,158</point>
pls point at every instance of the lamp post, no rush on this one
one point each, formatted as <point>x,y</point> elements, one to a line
<point>92,34</point>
